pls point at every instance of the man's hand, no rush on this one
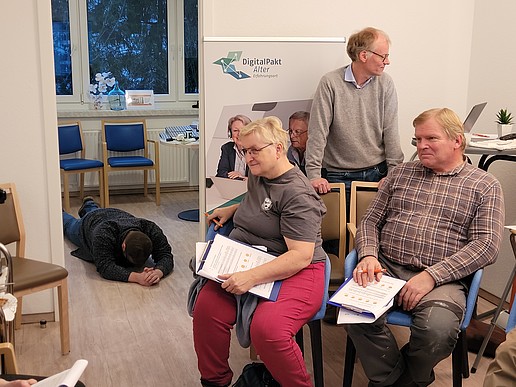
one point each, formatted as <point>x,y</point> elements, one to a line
<point>221,215</point>
<point>147,277</point>
<point>321,185</point>
<point>235,175</point>
<point>364,273</point>
<point>415,289</point>
<point>237,283</point>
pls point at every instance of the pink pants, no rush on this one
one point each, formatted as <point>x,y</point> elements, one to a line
<point>272,328</point>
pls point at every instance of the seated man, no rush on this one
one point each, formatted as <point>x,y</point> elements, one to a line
<point>298,132</point>
<point>434,222</point>
<point>119,244</point>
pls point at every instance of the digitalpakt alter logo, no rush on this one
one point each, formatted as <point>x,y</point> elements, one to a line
<point>228,67</point>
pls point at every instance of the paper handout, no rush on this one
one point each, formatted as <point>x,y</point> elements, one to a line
<point>224,256</point>
<point>66,378</point>
<point>365,305</point>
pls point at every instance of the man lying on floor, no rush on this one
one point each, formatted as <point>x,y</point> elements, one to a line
<point>122,247</point>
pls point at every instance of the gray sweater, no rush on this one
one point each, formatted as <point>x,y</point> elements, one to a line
<point>350,128</point>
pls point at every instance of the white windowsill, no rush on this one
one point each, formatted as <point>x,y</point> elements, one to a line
<point>127,113</point>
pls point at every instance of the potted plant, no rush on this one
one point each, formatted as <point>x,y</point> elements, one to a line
<point>504,120</point>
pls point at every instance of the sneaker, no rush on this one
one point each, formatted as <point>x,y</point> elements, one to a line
<point>82,210</point>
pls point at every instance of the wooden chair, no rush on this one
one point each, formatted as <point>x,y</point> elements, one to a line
<point>120,138</point>
<point>362,193</point>
<point>31,276</point>
<point>71,142</point>
<point>334,228</point>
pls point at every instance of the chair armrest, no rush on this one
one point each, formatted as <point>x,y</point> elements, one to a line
<point>156,148</point>
<point>352,228</point>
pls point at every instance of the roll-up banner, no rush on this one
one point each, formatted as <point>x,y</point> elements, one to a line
<point>257,77</point>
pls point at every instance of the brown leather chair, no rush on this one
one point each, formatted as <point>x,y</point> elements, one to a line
<point>29,275</point>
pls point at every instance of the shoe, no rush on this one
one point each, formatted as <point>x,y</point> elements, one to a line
<point>82,210</point>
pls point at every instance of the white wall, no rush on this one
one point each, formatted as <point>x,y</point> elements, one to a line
<point>442,54</point>
<point>28,151</point>
<point>493,79</point>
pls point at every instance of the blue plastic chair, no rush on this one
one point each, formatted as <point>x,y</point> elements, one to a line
<point>314,324</point>
<point>511,323</point>
<point>71,142</point>
<point>125,148</point>
<point>460,367</point>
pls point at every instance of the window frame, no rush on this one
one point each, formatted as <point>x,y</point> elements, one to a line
<point>80,57</point>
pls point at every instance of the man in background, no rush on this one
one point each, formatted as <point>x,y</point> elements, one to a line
<point>122,247</point>
<point>354,117</point>
<point>298,133</point>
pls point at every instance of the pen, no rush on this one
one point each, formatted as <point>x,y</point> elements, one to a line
<point>480,135</point>
<point>376,271</point>
<point>215,220</point>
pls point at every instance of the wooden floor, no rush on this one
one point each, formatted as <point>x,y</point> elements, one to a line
<point>137,336</point>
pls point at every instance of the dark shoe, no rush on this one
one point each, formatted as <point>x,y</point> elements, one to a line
<point>82,211</point>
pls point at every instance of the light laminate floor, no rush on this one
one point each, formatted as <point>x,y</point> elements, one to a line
<point>137,336</point>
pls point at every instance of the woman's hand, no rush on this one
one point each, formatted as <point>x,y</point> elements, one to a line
<point>221,215</point>
<point>17,383</point>
<point>235,175</point>
<point>238,283</point>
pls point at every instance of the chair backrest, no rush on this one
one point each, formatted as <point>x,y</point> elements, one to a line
<point>362,194</point>
<point>70,138</point>
<point>125,136</point>
<point>12,230</point>
<point>333,227</point>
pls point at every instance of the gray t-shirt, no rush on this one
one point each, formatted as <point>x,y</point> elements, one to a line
<point>286,206</point>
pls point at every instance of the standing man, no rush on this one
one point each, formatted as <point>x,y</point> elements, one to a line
<point>121,246</point>
<point>298,132</point>
<point>433,222</point>
<point>354,117</point>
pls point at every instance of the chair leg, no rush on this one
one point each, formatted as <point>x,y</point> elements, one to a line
<point>145,187</point>
<point>158,185</point>
<point>317,352</point>
<point>18,317</point>
<point>66,192</point>
<point>101,189</point>
<point>349,363</point>
<point>81,186</point>
<point>465,360</point>
<point>457,362</point>
<point>64,321</point>
<point>106,189</point>
<point>300,341</point>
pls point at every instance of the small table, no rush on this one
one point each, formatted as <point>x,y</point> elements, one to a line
<point>193,214</point>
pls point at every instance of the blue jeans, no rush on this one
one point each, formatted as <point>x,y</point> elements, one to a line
<point>72,226</point>
<point>376,173</point>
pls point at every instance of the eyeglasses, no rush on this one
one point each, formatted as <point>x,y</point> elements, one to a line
<point>254,152</point>
<point>384,57</point>
<point>296,133</point>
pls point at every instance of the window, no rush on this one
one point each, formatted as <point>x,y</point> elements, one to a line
<point>135,40</point>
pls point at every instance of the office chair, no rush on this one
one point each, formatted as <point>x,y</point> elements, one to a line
<point>399,317</point>
<point>31,276</point>
<point>71,142</point>
<point>120,138</point>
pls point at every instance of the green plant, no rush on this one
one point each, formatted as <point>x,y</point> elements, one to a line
<point>504,117</point>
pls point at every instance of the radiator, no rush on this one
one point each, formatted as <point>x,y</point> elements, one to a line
<point>174,164</point>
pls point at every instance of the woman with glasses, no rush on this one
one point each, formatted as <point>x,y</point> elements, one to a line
<point>282,212</point>
<point>232,161</point>
<point>298,132</point>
